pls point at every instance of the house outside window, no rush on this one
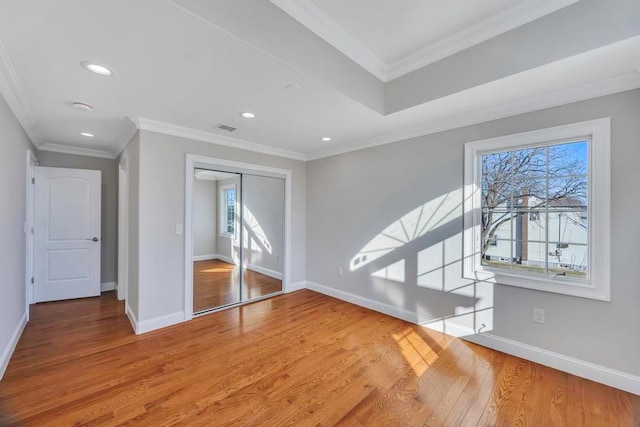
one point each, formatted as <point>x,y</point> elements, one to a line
<point>537,210</point>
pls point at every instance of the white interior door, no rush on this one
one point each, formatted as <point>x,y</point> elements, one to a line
<point>66,233</point>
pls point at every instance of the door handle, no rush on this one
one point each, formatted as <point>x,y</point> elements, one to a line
<point>95,239</point>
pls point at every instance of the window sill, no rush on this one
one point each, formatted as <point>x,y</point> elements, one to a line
<point>577,288</point>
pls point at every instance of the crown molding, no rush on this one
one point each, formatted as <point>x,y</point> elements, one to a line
<point>198,135</point>
<point>130,130</point>
<point>496,25</point>
<point>605,87</point>
<point>78,151</point>
<point>12,91</point>
<point>312,17</point>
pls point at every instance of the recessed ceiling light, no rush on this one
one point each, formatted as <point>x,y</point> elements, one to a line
<point>293,88</point>
<point>248,115</point>
<point>87,135</point>
<point>82,106</point>
<point>97,68</point>
<point>326,139</point>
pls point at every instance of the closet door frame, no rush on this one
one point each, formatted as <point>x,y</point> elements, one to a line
<point>194,161</point>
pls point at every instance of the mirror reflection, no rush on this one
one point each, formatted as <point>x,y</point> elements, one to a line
<point>238,226</point>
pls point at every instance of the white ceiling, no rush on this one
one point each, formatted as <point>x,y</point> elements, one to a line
<point>393,30</point>
<point>391,39</point>
<point>180,74</point>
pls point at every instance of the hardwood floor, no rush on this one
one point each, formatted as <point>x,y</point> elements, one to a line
<point>215,283</point>
<point>298,359</point>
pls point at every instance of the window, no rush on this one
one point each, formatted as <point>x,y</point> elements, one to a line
<point>537,210</point>
<point>227,210</point>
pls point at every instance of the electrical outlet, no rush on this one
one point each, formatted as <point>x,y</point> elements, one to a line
<point>339,272</point>
<point>179,229</point>
<point>538,315</point>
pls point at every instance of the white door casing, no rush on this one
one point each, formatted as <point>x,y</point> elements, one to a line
<point>123,230</point>
<point>66,233</point>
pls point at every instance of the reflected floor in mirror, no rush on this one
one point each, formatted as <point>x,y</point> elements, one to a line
<point>215,284</point>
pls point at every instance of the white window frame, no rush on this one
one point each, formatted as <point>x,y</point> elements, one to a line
<point>222,202</point>
<point>597,286</point>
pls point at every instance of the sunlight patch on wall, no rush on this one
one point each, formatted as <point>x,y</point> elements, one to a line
<point>395,272</point>
<point>410,227</point>
<point>255,230</point>
<point>440,266</point>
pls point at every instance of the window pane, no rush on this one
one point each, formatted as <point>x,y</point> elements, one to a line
<point>496,224</point>
<point>529,192</point>
<point>568,159</point>
<point>568,259</point>
<point>530,198</point>
<point>496,194</point>
<point>529,163</point>
<point>493,164</point>
<point>497,254</point>
<point>568,226</point>
<point>568,192</point>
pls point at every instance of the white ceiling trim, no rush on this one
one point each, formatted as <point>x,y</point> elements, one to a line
<point>79,151</point>
<point>12,91</point>
<point>199,135</point>
<point>309,15</point>
<point>504,21</point>
<point>567,96</point>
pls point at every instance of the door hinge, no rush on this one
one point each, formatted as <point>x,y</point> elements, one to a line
<point>31,230</point>
<point>32,280</point>
<point>33,180</point>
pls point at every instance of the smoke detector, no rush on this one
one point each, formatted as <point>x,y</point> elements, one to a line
<point>82,106</point>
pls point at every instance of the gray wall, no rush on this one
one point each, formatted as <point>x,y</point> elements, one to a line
<point>205,217</point>
<point>15,144</point>
<point>354,197</point>
<point>132,155</point>
<point>162,197</point>
<point>109,168</point>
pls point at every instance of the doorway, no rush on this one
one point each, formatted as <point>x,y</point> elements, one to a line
<point>236,234</point>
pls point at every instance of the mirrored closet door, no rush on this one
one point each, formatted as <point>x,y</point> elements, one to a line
<point>238,238</point>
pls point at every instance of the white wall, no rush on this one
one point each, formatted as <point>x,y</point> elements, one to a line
<point>15,144</point>
<point>109,203</point>
<point>205,217</point>
<point>363,196</point>
<point>162,196</point>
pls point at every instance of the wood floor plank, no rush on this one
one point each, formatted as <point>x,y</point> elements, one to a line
<point>297,359</point>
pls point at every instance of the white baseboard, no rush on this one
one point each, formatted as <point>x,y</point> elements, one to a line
<point>265,271</point>
<point>144,326</point>
<point>252,267</point>
<point>292,287</point>
<point>611,377</point>
<point>226,259</point>
<point>381,307</point>
<point>108,286</point>
<point>577,367</point>
<point>132,317</point>
<point>206,257</point>
<point>11,345</point>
